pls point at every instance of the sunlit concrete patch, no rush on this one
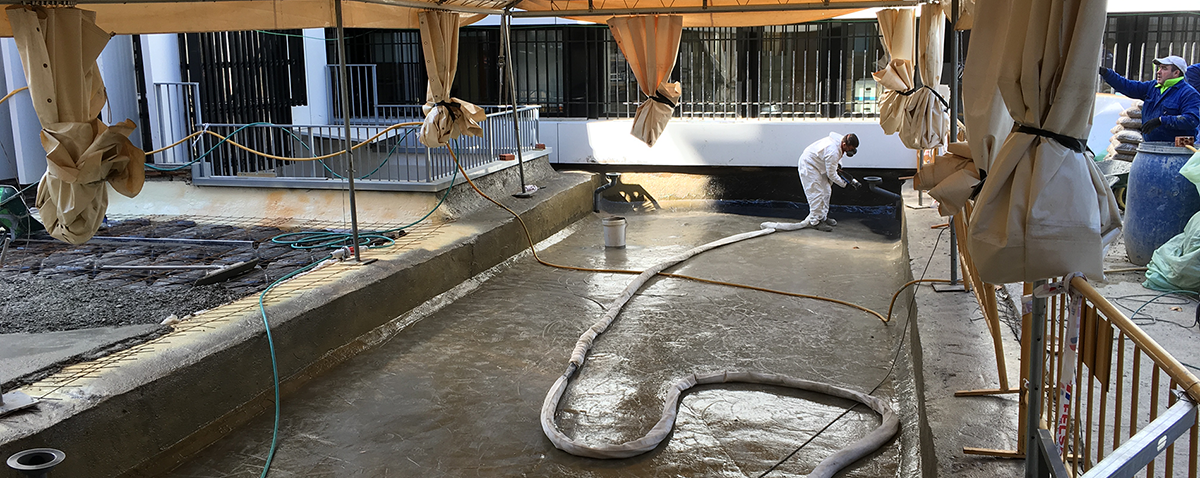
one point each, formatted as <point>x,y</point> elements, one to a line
<point>458,392</point>
<point>24,353</point>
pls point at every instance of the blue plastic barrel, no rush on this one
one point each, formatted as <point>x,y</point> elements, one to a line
<point>1159,200</point>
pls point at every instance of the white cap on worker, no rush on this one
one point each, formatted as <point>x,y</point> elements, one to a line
<point>1172,60</point>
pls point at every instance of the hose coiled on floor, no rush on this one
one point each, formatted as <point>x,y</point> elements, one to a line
<point>659,432</point>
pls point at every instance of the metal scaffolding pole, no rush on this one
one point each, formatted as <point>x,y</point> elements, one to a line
<point>955,285</point>
<point>341,48</point>
<point>506,30</point>
<point>953,126</point>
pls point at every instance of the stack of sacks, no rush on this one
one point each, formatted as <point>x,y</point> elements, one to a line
<point>1127,134</point>
<point>951,179</point>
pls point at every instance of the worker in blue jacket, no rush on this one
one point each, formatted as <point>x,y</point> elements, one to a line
<point>1192,77</point>
<point>1171,106</point>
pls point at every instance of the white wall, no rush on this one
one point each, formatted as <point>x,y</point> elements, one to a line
<point>744,142</point>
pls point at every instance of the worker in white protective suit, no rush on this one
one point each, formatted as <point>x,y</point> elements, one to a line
<point>819,166</point>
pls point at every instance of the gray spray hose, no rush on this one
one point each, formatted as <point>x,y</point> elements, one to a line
<point>659,432</point>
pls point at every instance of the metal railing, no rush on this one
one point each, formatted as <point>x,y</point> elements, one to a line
<point>364,106</point>
<point>1111,401</point>
<point>1114,400</point>
<point>178,111</point>
<point>395,159</point>
<point>1132,42</point>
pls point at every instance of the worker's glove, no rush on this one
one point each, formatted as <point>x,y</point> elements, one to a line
<point>1149,126</point>
<point>1102,70</point>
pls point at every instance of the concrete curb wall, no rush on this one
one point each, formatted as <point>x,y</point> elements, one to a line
<point>147,416</point>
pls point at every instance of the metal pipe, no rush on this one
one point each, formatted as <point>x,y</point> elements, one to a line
<point>873,183</point>
<point>953,125</point>
<point>954,59</point>
<point>153,241</point>
<point>600,12</point>
<point>506,28</point>
<point>953,255</point>
<point>341,46</point>
<point>612,181</point>
<point>162,268</point>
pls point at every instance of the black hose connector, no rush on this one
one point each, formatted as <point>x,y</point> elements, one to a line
<point>873,183</point>
<point>36,462</point>
<point>612,181</point>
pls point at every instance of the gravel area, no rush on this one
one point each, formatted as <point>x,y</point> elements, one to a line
<point>33,304</point>
<point>54,286</point>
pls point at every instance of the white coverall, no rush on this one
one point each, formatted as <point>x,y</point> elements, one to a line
<point>818,167</point>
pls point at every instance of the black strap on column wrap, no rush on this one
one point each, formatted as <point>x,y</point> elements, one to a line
<point>452,108</point>
<point>662,99</point>
<point>1074,144</point>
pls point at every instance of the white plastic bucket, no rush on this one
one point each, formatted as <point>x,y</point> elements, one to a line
<point>614,231</point>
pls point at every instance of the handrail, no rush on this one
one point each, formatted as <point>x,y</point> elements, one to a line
<point>509,110</point>
<point>1187,382</point>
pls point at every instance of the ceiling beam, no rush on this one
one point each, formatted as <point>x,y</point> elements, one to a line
<point>447,6</point>
<point>601,12</point>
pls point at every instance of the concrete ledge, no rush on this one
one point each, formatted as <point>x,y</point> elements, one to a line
<point>147,415</point>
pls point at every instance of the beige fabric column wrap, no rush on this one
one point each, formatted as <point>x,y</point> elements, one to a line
<point>59,47</point>
<point>966,13</point>
<point>925,124</point>
<point>650,44</point>
<point>897,27</point>
<point>446,118</point>
<point>1045,210</point>
<point>987,120</point>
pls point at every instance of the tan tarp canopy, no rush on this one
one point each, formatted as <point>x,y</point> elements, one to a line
<point>446,118</point>
<point>59,48</point>
<point>987,120</point>
<point>1044,209</point>
<point>578,10</point>
<point>650,44</point>
<point>187,16</point>
<point>215,16</point>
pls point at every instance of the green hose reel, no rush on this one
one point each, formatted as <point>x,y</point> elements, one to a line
<point>15,219</point>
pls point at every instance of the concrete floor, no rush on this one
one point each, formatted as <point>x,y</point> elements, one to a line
<point>458,393</point>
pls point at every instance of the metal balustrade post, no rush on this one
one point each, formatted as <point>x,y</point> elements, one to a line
<point>1033,389</point>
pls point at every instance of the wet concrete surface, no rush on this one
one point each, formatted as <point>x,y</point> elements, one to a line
<point>458,393</point>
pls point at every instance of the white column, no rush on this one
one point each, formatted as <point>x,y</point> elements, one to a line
<point>27,149</point>
<point>160,61</point>
<point>117,69</point>
<point>315,61</point>
<point>8,159</point>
